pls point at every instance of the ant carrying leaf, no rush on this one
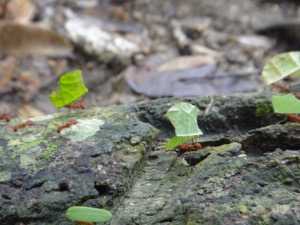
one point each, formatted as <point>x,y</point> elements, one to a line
<point>183,116</point>
<point>277,68</point>
<point>291,98</point>
<point>71,88</point>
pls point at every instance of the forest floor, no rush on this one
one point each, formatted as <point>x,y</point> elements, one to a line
<point>182,48</point>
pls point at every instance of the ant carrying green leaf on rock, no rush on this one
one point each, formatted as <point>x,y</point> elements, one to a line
<point>282,89</point>
<point>183,117</point>
<point>278,68</point>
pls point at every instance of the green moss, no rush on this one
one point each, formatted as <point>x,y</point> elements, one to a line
<point>281,179</point>
<point>5,176</point>
<point>50,150</point>
<point>266,220</point>
<point>242,209</point>
<point>27,145</point>
<point>84,129</point>
<point>13,155</point>
<point>26,160</point>
<point>191,223</point>
<point>135,140</point>
<point>263,109</point>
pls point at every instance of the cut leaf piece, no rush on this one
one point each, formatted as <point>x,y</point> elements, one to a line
<point>88,214</point>
<point>183,116</point>
<point>280,66</point>
<point>285,104</point>
<point>176,141</point>
<point>71,88</point>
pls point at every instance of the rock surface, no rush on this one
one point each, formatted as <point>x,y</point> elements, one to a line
<point>113,158</point>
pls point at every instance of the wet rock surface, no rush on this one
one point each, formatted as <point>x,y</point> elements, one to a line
<point>91,162</point>
<point>113,158</point>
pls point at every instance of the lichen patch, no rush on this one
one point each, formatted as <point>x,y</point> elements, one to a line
<point>83,129</point>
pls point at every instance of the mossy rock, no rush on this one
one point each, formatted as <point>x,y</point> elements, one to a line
<point>113,158</point>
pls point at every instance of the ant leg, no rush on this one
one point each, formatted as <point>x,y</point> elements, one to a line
<point>285,118</point>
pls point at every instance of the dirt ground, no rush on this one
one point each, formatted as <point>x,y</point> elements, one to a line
<point>173,48</point>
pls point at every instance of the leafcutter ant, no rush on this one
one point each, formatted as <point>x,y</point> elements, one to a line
<point>293,117</point>
<point>284,89</point>
<point>5,116</point>
<point>78,105</point>
<point>190,147</point>
<point>83,223</point>
<point>281,88</point>
<point>22,125</point>
<point>181,149</point>
<point>68,124</point>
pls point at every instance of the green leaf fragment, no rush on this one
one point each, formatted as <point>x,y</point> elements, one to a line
<point>183,116</point>
<point>71,88</point>
<point>280,66</point>
<point>88,214</point>
<point>176,141</point>
<point>285,104</point>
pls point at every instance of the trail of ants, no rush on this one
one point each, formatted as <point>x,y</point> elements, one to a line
<point>7,118</point>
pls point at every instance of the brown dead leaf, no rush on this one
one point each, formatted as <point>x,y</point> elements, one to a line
<point>21,11</point>
<point>194,81</point>
<point>31,39</point>
<point>28,111</point>
<point>171,83</point>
